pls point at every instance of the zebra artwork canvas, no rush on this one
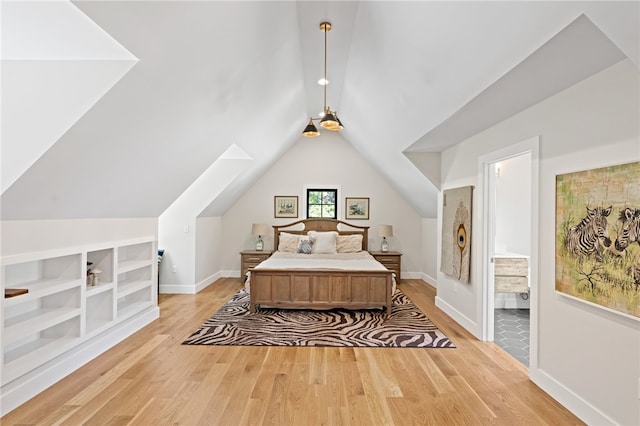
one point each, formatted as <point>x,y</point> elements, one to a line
<point>629,230</point>
<point>597,228</point>
<point>590,236</point>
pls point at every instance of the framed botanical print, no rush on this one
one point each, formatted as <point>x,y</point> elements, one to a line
<point>285,206</point>
<point>356,208</point>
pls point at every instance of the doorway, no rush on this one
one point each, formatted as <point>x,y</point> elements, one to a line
<point>509,194</point>
<point>511,218</point>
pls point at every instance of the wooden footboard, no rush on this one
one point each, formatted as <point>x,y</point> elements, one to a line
<point>320,289</point>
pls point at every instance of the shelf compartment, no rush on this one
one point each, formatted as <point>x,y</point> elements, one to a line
<point>35,349</point>
<point>133,280</point>
<point>43,288</point>
<point>99,311</point>
<point>34,315</point>
<point>33,322</point>
<point>132,265</point>
<point>104,261</point>
<point>132,287</point>
<point>134,256</point>
<point>135,302</point>
<point>25,274</point>
<point>92,290</point>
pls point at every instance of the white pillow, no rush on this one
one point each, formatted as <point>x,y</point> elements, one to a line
<point>288,242</point>
<point>325,242</point>
<point>349,243</point>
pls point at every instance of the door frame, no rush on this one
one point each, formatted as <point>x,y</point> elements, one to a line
<point>486,177</point>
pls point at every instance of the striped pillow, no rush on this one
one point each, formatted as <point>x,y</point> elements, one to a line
<point>349,243</point>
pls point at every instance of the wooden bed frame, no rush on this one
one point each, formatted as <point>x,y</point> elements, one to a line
<point>321,288</point>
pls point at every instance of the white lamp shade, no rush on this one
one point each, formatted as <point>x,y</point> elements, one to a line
<point>385,230</point>
<point>259,229</point>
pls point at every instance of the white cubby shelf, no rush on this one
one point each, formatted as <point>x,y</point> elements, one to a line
<point>65,319</point>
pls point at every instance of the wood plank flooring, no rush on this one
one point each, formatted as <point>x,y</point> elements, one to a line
<point>151,379</point>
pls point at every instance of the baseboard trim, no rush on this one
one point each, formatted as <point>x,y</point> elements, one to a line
<point>230,273</point>
<point>411,275</point>
<point>573,402</point>
<point>177,289</point>
<point>471,326</point>
<point>17,392</point>
<point>429,280</point>
<point>207,281</point>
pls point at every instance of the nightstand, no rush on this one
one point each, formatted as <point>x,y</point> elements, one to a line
<point>250,259</point>
<point>390,260</point>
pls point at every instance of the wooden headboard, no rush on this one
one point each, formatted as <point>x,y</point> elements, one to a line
<point>321,225</point>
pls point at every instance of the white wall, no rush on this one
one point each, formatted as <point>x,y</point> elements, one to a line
<point>56,53</point>
<point>587,358</point>
<point>176,237</point>
<point>208,250</point>
<point>177,232</point>
<point>513,206</point>
<point>330,160</point>
<point>430,251</point>
<point>25,236</point>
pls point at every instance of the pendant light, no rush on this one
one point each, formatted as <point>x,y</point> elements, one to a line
<point>329,120</point>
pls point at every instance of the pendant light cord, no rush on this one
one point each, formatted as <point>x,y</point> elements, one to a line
<point>326,82</point>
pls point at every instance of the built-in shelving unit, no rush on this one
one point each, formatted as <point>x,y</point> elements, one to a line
<point>63,312</point>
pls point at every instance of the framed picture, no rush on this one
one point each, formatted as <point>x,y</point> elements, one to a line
<point>455,258</point>
<point>285,206</point>
<point>356,208</point>
<point>598,237</point>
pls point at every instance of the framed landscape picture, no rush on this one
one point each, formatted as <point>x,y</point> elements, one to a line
<point>356,208</point>
<point>286,206</point>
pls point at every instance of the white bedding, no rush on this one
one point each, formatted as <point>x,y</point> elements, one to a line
<point>342,261</point>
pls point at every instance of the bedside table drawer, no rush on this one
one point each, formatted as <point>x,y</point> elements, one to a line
<point>386,260</point>
<point>251,259</point>
<point>248,265</point>
<point>390,260</point>
<point>254,259</point>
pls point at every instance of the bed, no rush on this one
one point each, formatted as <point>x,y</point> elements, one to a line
<point>350,279</point>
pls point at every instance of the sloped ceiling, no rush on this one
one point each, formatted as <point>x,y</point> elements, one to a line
<point>213,74</point>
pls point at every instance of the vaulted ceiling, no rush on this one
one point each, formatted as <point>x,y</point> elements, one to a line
<point>135,100</point>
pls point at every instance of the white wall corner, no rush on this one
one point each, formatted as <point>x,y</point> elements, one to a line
<point>412,275</point>
<point>470,325</point>
<point>429,280</point>
<point>230,273</point>
<point>572,401</point>
<point>208,281</point>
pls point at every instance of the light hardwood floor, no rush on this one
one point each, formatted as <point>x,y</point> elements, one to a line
<point>151,379</point>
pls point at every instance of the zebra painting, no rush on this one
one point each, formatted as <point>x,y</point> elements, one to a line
<point>629,231</point>
<point>595,262</point>
<point>590,236</point>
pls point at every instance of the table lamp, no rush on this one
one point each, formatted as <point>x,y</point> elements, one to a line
<point>259,229</point>
<point>385,231</point>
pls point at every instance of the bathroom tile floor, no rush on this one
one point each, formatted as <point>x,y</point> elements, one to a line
<point>511,332</point>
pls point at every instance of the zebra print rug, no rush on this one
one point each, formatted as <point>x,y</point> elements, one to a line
<point>234,325</point>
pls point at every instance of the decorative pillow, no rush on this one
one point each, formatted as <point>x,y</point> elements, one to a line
<point>324,242</point>
<point>306,244</point>
<point>288,242</point>
<point>349,243</point>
